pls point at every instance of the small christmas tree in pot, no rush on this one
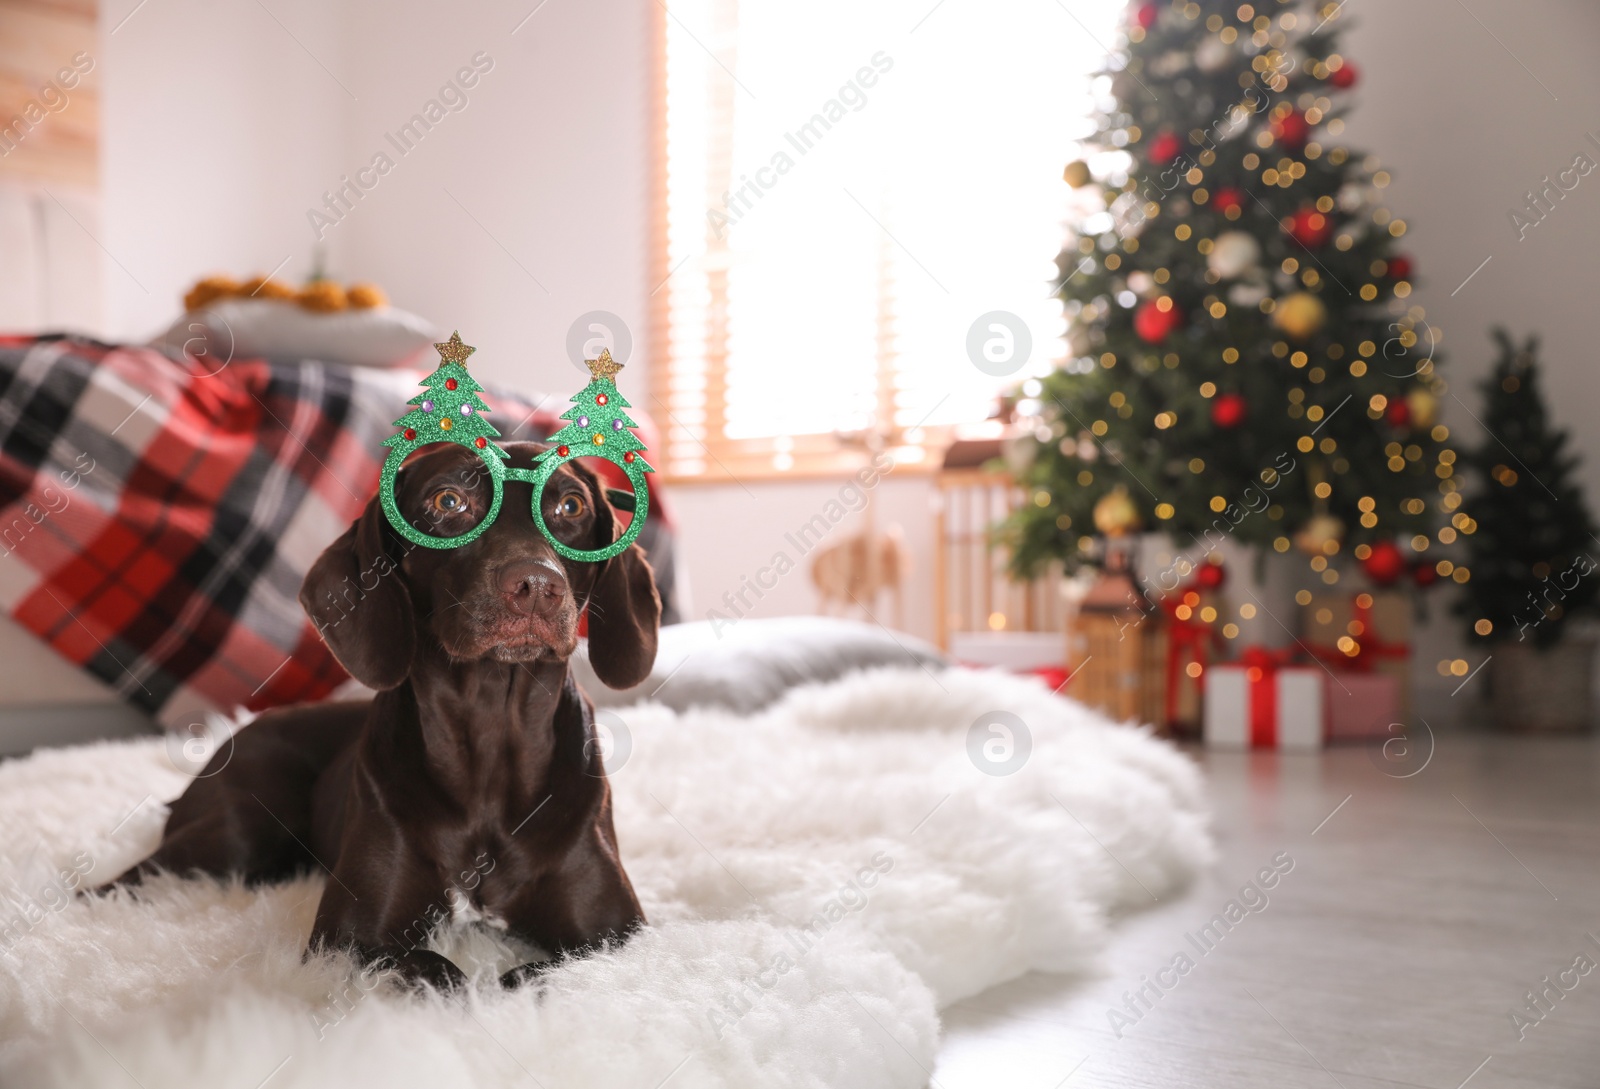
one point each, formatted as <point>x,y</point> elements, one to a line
<point>1532,551</point>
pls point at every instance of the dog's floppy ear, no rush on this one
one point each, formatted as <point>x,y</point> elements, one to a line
<point>356,595</point>
<point>624,608</point>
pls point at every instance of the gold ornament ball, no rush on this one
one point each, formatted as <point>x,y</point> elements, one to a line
<point>1301,316</point>
<point>1315,536</point>
<point>1424,408</point>
<point>1115,515</point>
<point>1077,174</point>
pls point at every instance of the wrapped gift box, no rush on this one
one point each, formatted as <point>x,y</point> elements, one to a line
<point>1362,706</point>
<point>1265,706</point>
<point>1363,634</point>
<point>1191,643</point>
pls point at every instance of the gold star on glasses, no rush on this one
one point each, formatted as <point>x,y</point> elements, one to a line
<point>604,367</point>
<point>453,351</point>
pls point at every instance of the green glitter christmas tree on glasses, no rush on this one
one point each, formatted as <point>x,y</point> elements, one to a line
<point>450,410</point>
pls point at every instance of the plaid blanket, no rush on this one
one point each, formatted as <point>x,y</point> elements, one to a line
<point>157,515</point>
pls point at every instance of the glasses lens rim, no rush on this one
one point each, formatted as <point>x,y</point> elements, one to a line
<point>641,492</point>
<point>397,520</point>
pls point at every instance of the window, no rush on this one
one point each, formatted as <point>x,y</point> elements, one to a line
<point>848,188</point>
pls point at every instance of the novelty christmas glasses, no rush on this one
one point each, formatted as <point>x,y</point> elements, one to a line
<point>450,410</point>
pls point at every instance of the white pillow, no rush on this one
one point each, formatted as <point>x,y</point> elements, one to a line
<point>284,332</point>
<point>750,663</point>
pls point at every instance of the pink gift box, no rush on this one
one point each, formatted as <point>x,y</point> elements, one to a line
<point>1362,705</point>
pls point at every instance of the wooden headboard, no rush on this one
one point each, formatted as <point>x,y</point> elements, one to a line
<point>49,274</point>
<point>49,165</point>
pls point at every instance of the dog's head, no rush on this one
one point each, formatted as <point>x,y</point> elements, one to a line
<point>507,596</point>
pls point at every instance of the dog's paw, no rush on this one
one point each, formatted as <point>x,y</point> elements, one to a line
<point>531,972</point>
<point>424,968</point>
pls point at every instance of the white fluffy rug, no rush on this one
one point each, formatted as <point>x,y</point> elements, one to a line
<point>852,809</point>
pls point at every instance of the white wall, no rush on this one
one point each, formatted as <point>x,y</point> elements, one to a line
<point>223,129</point>
<point>1467,131</point>
<point>731,535</point>
<point>550,157</point>
<point>213,117</point>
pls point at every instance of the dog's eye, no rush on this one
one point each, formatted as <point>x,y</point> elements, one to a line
<point>448,501</point>
<point>569,506</point>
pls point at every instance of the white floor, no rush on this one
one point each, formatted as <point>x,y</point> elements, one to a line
<point>1415,919</point>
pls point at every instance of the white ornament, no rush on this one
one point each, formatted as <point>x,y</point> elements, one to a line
<point>1247,294</point>
<point>1213,54</point>
<point>1141,283</point>
<point>1234,254</point>
<point>1169,64</point>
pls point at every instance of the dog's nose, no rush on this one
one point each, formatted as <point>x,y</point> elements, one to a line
<point>532,588</point>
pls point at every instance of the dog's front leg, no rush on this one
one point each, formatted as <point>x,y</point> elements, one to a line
<point>384,919</point>
<point>584,905</point>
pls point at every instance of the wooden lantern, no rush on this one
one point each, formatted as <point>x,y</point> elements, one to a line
<point>1118,646</point>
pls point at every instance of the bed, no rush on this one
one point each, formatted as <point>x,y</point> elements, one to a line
<point>157,515</point>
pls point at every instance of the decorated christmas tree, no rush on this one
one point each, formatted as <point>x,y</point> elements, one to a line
<point>449,409</point>
<point>599,425</point>
<point>1532,541</point>
<point>1245,358</point>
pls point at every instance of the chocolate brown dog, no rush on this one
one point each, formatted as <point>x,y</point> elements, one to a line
<point>472,785</point>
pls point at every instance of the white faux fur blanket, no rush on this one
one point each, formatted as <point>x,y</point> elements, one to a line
<point>820,877</point>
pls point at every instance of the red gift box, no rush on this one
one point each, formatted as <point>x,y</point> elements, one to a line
<point>1262,702</point>
<point>1190,642</point>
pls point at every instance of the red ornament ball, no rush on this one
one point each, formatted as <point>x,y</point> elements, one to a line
<point>562,451</point>
<point>411,433</point>
<point>600,398</point>
<point>449,383</point>
<point>628,457</point>
<point>1229,410</point>
<point>1384,564</point>
<point>1145,15</point>
<point>1227,199</point>
<point>1398,413</point>
<point>1165,148</point>
<point>1211,576</point>
<point>1292,130</point>
<point>1425,575</point>
<point>1345,78</point>
<point>1153,324</point>
<point>1310,228</point>
<point>1399,268</point>
<point>480,442</point>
